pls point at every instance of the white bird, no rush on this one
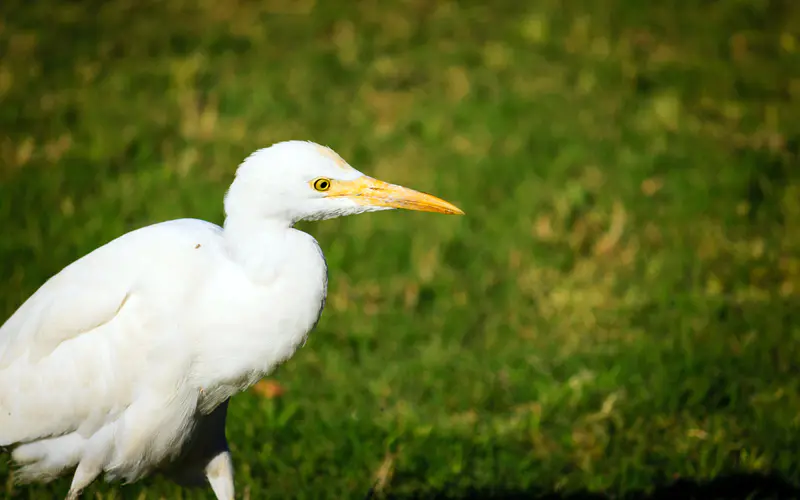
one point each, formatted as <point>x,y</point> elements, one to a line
<point>124,361</point>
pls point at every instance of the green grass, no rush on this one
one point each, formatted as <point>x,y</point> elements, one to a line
<point>620,307</point>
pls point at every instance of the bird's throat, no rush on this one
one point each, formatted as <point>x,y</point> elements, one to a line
<point>257,245</point>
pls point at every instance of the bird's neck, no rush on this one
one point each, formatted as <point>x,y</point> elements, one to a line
<point>258,245</point>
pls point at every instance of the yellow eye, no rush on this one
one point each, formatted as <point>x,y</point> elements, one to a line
<point>322,184</point>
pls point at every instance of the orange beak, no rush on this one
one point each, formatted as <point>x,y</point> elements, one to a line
<point>368,191</point>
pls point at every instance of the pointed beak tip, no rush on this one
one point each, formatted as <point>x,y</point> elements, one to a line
<point>456,211</point>
<point>436,205</point>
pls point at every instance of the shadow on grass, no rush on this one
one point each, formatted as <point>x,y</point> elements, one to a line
<point>738,486</point>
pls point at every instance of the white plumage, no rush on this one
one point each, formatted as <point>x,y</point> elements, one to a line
<point>123,363</point>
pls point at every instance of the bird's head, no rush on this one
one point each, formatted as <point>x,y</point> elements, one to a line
<point>297,180</point>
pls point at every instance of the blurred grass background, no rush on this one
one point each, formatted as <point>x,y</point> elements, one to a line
<point>619,308</point>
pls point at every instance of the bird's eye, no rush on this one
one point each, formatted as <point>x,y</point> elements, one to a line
<point>322,184</point>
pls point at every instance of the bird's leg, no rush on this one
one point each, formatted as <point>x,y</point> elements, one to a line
<point>219,472</point>
<point>207,457</point>
<point>84,475</point>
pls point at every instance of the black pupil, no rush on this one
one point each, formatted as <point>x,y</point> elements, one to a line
<point>323,184</point>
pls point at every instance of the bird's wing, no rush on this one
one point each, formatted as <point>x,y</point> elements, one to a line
<point>84,295</point>
<point>54,373</point>
<point>86,345</point>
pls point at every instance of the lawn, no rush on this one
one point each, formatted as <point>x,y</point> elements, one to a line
<point>618,310</point>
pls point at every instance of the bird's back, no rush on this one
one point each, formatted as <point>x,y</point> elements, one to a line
<point>88,292</point>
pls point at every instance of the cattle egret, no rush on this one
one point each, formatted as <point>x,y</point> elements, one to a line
<point>123,363</point>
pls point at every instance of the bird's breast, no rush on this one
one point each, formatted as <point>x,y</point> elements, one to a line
<point>248,328</point>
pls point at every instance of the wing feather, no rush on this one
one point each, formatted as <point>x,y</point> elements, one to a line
<point>83,296</point>
<point>41,393</point>
<point>72,356</point>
